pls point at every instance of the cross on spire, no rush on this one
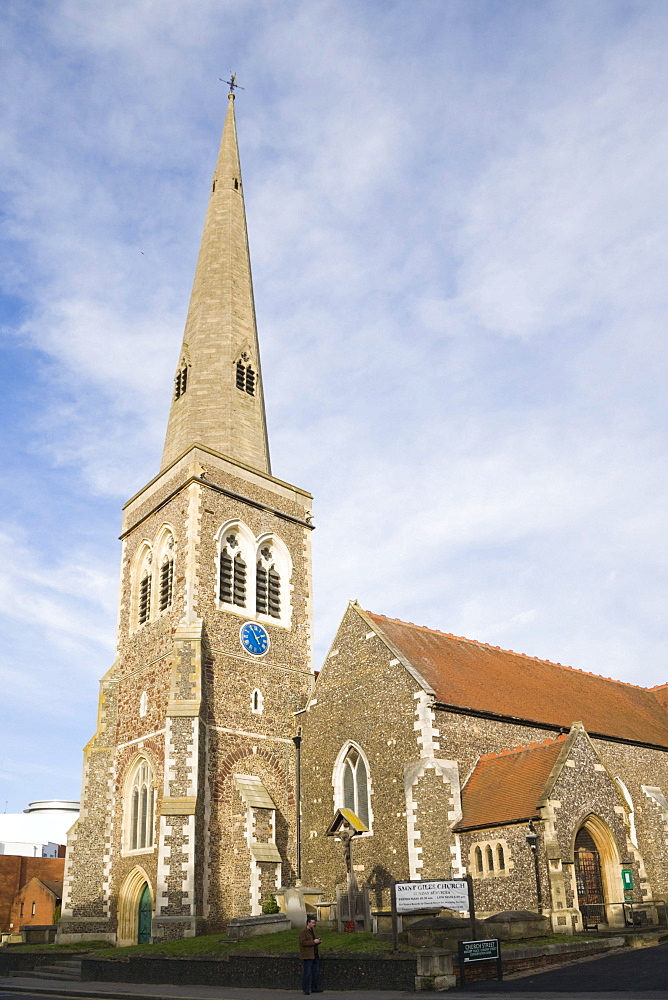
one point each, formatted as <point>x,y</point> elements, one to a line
<point>232,82</point>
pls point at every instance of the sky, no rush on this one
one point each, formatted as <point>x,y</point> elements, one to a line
<point>458,220</point>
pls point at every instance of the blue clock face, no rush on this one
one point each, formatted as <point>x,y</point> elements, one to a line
<point>254,638</point>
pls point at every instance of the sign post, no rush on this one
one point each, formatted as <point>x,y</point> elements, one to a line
<point>479,951</point>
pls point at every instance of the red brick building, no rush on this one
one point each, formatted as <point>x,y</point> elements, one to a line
<point>16,873</point>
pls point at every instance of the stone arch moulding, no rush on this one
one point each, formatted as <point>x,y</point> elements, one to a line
<point>128,905</point>
<point>611,864</point>
<point>337,779</point>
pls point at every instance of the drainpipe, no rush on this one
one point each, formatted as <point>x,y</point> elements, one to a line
<point>297,740</point>
<point>532,841</point>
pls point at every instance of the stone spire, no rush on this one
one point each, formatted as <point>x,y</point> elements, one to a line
<point>218,399</point>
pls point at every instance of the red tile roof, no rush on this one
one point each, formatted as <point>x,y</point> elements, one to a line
<point>505,787</point>
<point>471,675</point>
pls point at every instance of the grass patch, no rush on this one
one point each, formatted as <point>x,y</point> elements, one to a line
<point>280,943</point>
<point>80,947</point>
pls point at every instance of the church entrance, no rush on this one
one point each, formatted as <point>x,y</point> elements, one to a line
<point>589,880</point>
<point>144,916</point>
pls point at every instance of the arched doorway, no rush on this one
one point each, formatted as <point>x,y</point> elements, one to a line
<point>588,880</point>
<point>597,874</point>
<point>135,909</point>
<point>144,916</point>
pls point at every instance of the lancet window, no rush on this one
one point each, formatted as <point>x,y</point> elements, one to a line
<point>145,598</point>
<point>233,572</point>
<point>267,585</point>
<point>353,780</point>
<point>141,804</point>
<point>166,583</point>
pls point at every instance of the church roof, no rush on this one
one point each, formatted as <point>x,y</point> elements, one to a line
<point>470,675</point>
<point>505,787</point>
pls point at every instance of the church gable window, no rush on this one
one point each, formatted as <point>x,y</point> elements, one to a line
<point>143,704</point>
<point>140,807</point>
<point>351,783</point>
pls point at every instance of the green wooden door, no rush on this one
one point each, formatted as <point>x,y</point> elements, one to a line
<point>145,914</point>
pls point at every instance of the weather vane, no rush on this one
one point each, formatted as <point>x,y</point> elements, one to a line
<point>232,82</point>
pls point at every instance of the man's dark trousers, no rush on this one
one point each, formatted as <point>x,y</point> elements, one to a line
<point>311,977</point>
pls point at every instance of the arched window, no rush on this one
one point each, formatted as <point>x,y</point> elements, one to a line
<point>166,582</point>
<point>355,784</point>
<point>490,859</point>
<point>267,585</point>
<point>500,857</point>
<point>273,572</point>
<point>232,589</point>
<point>478,860</point>
<point>143,704</point>
<point>142,585</point>
<point>141,807</point>
<point>257,702</point>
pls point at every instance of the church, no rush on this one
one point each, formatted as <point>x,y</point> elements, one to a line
<point>220,757</point>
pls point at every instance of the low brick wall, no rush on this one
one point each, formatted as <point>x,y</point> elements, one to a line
<point>539,957</point>
<point>342,972</point>
<point>15,961</point>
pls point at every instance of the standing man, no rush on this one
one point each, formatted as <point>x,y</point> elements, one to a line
<point>308,952</point>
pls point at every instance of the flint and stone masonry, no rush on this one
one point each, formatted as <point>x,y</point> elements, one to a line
<point>540,781</point>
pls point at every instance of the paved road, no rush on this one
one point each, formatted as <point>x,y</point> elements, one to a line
<point>627,972</point>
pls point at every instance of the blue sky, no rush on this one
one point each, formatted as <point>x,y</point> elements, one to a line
<point>458,222</point>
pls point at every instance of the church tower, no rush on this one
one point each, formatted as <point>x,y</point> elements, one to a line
<point>189,805</point>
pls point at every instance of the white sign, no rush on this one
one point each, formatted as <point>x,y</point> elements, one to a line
<point>448,894</point>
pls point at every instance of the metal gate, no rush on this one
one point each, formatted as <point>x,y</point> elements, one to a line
<point>591,899</point>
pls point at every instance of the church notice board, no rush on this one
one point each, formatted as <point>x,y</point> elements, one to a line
<point>432,894</point>
<point>442,894</point>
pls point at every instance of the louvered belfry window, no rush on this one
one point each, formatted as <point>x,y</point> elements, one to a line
<point>232,574</point>
<point>246,377</point>
<point>145,599</point>
<point>239,595</point>
<point>166,583</point>
<point>261,589</point>
<point>274,593</point>
<point>181,382</point>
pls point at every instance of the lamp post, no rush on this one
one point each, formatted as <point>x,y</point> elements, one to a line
<point>532,842</point>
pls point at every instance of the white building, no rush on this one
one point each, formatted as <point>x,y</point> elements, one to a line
<point>39,830</point>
